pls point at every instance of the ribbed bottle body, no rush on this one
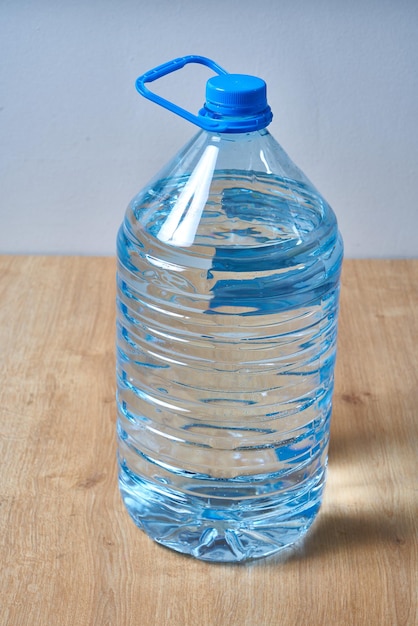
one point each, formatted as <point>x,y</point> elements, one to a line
<point>225,364</point>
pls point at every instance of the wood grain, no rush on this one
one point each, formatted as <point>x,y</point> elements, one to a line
<point>70,554</point>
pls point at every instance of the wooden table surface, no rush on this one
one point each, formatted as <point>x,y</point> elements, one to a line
<point>69,552</point>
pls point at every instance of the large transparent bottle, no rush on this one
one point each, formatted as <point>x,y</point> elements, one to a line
<point>228,282</point>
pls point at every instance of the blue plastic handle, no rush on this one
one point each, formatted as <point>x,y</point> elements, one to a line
<point>173,66</point>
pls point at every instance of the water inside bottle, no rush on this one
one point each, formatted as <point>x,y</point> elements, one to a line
<point>226,337</point>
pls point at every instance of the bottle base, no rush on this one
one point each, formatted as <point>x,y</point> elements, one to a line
<point>222,534</point>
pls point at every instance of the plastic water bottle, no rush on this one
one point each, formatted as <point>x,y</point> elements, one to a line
<point>228,282</point>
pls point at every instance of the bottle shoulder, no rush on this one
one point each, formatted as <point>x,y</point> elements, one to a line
<point>235,192</point>
<point>230,202</point>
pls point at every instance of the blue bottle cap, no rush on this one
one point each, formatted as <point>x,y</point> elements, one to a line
<point>239,100</point>
<point>236,95</point>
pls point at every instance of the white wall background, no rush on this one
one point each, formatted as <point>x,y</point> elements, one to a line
<point>77,142</point>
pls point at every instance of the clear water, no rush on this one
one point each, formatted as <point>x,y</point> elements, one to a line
<point>225,361</point>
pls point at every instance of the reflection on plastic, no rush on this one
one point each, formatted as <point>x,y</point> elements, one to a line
<point>180,227</point>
